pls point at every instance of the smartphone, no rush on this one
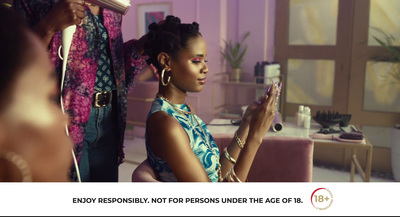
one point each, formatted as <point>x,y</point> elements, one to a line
<point>278,91</point>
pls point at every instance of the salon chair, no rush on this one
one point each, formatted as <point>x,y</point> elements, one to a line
<point>144,173</point>
<point>279,159</point>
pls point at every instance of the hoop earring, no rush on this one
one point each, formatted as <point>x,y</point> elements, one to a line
<point>20,163</point>
<point>162,78</point>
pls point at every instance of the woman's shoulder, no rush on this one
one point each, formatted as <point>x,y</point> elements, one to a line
<point>162,121</point>
<point>161,105</point>
<point>164,133</point>
<point>163,117</point>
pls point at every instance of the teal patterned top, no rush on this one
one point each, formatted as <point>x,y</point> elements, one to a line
<point>209,161</point>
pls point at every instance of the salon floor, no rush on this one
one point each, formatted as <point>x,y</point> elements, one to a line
<point>135,153</point>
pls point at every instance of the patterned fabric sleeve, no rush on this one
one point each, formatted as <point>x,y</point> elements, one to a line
<point>32,10</point>
<point>134,63</point>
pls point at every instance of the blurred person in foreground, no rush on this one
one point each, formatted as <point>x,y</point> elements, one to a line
<point>33,141</point>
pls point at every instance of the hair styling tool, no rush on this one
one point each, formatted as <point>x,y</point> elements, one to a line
<point>119,6</point>
<point>277,124</point>
<point>66,41</point>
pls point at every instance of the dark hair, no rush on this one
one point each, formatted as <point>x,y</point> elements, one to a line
<point>169,37</point>
<point>16,47</point>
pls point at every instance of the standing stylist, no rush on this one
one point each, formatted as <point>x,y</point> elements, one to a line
<point>101,69</point>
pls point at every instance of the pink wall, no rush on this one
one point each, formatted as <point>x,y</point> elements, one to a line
<point>220,19</point>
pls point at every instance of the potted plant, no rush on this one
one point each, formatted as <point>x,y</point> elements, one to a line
<point>234,55</point>
<point>392,77</point>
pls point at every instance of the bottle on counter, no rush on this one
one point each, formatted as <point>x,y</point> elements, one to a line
<point>300,116</point>
<point>258,73</point>
<point>307,117</point>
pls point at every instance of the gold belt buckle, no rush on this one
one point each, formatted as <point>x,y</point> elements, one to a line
<point>102,99</point>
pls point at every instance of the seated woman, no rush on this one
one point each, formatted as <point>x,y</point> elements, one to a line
<point>33,141</point>
<point>179,145</point>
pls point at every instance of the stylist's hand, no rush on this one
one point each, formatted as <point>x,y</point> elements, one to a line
<point>64,14</point>
<point>139,45</point>
<point>67,13</point>
<point>263,115</point>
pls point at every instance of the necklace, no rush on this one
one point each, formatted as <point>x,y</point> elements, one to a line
<point>190,112</point>
<point>176,107</point>
<point>89,4</point>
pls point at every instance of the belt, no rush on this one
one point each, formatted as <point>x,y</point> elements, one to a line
<point>102,98</point>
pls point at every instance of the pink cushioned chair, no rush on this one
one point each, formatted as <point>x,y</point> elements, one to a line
<point>279,159</point>
<point>144,173</point>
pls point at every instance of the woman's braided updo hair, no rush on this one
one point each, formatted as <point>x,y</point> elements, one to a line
<point>169,37</point>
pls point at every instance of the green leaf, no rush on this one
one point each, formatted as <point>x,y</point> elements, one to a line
<point>395,52</point>
<point>245,36</point>
<point>234,53</point>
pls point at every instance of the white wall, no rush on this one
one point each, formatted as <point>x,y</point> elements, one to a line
<point>219,19</point>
